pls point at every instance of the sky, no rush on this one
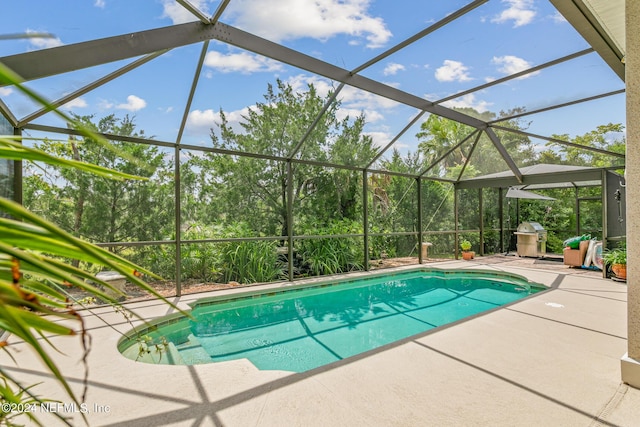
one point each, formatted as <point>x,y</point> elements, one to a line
<point>499,38</point>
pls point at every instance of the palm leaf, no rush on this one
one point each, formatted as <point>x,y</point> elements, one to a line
<point>16,324</point>
<point>13,150</point>
<point>20,310</point>
<point>91,252</point>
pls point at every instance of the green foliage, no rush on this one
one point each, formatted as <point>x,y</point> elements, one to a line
<point>554,243</point>
<point>381,246</point>
<point>609,137</point>
<point>615,256</point>
<point>469,209</point>
<point>447,142</point>
<point>32,277</point>
<point>161,259</point>
<point>438,136</point>
<point>392,198</point>
<point>333,255</point>
<point>277,127</point>
<point>465,245</point>
<point>246,261</point>
<point>437,206</point>
<point>251,262</point>
<point>243,261</point>
<point>199,262</point>
<point>18,401</point>
<point>95,207</point>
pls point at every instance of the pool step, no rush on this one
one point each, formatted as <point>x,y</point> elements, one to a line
<point>192,353</point>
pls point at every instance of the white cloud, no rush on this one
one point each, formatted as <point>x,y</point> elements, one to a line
<point>105,105</point>
<point>5,91</point>
<point>452,71</point>
<point>558,18</point>
<point>356,98</point>
<point>300,82</point>
<point>354,101</point>
<point>99,3</point>
<point>280,20</point>
<point>242,62</point>
<point>203,119</point>
<point>179,14</point>
<point>75,103</point>
<point>133,103</point>
<point>521,12</point>
<point>380,139</point>
<point>510,64</point>
<point>43,42</point>
<point>392,69</point>
<point>469,101</point>
<point>370,116</point>
<point>200,121</point>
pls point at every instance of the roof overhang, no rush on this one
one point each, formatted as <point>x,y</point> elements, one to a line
<point>602,24</point>
<point>538,177</point>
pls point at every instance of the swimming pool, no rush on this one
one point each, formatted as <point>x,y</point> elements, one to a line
<point>303,327</point>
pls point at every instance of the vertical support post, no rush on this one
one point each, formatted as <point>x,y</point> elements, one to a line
<point>630,364</point>
<point>290,219</point>
<point>420,239</point>
<point>365,217</point>
<point>501,218</point>
<point>17,174</point>
<point>605,219</point>
<point>481,209</point>
<point>456,219</point>
<point>577,209</point>
<point>178,221</point>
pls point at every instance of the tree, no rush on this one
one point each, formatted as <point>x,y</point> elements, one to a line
<point>438,135</point>
<point>609,137</point>
<point>32,278</point>
<point>276,128</point>
<point>96,208</point>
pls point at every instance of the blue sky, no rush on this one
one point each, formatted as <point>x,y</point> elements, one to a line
<point>498,38</point>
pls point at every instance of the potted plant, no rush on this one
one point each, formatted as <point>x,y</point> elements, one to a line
<point>617,259</point>
<point>467,253</point>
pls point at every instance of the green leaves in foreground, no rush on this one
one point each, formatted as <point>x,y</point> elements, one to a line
<point>33,280</point>
<point>10,149</point>
<point>33,277</point>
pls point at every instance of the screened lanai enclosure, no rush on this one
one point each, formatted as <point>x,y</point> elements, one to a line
<point>281,140</point>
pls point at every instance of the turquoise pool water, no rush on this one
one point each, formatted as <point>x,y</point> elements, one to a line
<point>307,327</point>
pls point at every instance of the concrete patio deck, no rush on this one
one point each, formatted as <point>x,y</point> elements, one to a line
<point>550,360</point>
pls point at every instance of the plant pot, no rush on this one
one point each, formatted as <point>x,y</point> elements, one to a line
<point>620,270</point>
<point>467,255</point>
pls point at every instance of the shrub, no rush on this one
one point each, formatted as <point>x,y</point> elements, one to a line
<point>333,255</point>
<point>250,262</point>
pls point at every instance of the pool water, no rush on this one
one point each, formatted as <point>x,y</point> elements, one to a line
<point>301,329</point>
